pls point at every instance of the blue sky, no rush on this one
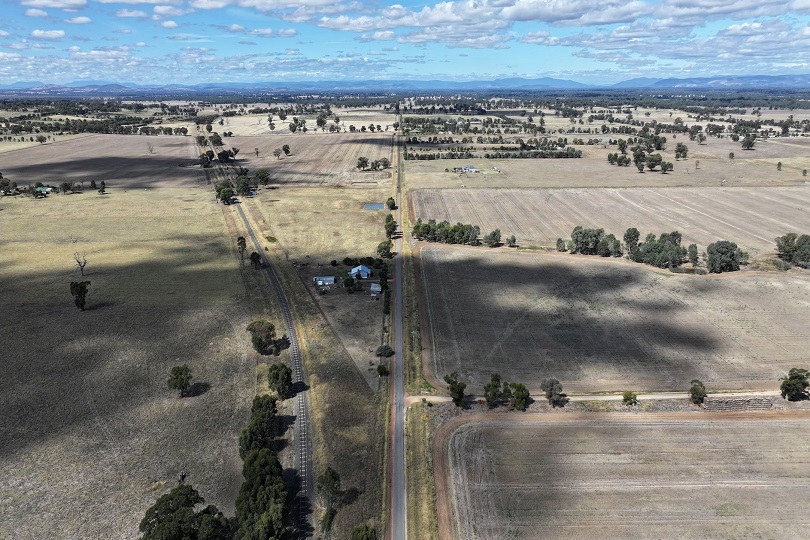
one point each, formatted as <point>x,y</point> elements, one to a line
<point>192,41</point>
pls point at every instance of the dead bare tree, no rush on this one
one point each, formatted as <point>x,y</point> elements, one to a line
<point>150,147</point>
<point>81,260</point>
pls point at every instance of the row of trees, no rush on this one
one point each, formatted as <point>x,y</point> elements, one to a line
<point>446,233</point>
<point>382,163</point>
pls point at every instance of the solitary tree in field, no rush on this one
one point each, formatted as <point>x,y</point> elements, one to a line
<point>256,259</point>
<point>391,203</point>
<point>748,143</point>
<point>241,243</point>
<point>279,379</point>
<point>493,239</point>
<point>553,389</point>
<point>179,379</point>
<point>81,260</point>
<point>731,155</point>
<point>286,149</point>
<point>362,163</point>
<point>79,291</point>
<point>511,241</point>
<point>41,139</point>
<point>102,188</point>
<point>150,147</point>
<point>697,393</point>
<point>681,151</point>
<point>263,338</point>
<point>262,176</point>
<point>277,153</point>
<point>779,166</point>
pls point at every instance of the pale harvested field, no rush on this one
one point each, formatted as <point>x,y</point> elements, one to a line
<point>122,161</point>
<point>90,436</point>
<point>620,476</point>
<point>608,325</point>
<point>318,159</point>
<point>754,168</point>
<point>750,217</point>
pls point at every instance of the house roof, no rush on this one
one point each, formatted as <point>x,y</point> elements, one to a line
<point>361,268</point>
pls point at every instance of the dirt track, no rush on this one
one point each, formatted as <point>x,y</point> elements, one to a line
<point>445,489</point>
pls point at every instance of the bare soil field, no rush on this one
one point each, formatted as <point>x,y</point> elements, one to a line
<point>750,217</point>
<point>619,476</point>
<point>318,159</point>
<point>90,435</point>
<point>607,325</point>
<point>122,161</point>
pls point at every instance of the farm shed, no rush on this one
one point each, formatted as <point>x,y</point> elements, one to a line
<point>376,288</point>
<point>324,280</point>
<point>361,271</point>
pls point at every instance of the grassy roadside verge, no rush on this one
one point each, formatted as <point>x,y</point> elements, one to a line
<point>348,418</point>
<point>422,519</point>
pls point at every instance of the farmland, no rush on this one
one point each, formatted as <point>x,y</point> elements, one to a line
<point>606,325</point>
<point>618,476</point>
<point>750,217</point>
<point>91,436</point>
<point>118,160</point>
<point>318,159</point>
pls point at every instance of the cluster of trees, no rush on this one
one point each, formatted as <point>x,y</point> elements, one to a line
<point>568,152</point>
<point>173,517</point>
<point>497,391</point>
<point>446,233</point>
<point>279,379</point>
<point>554,394</point>
<point>725,256</point>
<point>382,163</point>
<point>432,156</point>
<point>794,249</point>
<point>456,388</point>
<point>390,226</point>
<point>263,338</point>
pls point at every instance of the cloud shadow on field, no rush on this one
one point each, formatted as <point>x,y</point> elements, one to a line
<point>117,172</point>
<point>589,323</point>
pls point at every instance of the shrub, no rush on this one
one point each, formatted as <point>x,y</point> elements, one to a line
<point>697,393</point>
<point>384,351</point>
<point>794,386</point>
<point>382,370</point>
<point>629,398</point>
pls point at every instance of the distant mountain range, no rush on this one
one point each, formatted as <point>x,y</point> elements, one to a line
<point>111,89</point>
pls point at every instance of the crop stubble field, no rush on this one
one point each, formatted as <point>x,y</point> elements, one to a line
<point>91,436</point>
<point>317,159</point>
<point>641,476</point>
<point>749,216</point>
<point>608,325</point>
<point>118,160</point>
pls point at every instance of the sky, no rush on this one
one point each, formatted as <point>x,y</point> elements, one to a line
<point>198,41</point>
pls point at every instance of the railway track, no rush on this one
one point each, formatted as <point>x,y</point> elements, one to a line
<point>302,428</point>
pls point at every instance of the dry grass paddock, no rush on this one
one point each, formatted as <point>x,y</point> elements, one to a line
<point>617,476</point>
<point>750,217</point>
<point>118,160</point>
<point>91,436</point>
<point>748,168</point>
<point>318,159</point>
<point>608,325</point>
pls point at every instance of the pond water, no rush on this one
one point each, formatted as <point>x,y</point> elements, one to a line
<point>373,206</point>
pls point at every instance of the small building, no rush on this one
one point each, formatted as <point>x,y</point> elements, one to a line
<point>376,288</point>
<point>320,281</point>
<point>469,169</point>
<point>361,271</point>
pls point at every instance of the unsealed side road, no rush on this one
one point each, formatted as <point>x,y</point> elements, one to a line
<point>614,475</point>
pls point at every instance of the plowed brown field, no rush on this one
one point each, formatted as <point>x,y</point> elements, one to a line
<point>629,476</point>
<point>608,325</point>
<point>750,217</point>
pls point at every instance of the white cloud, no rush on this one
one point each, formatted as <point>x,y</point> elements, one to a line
<point>74,48</point>
<point>79,20</point>
<point>170,11</point>
<point>262,32</point>
<point>3,33</point>
<point>48,34</point>
<point>140,44</point>
<point>287,32</point>
<point>56,4</point>
<point>130,13</point>
<point>123,31</point>
<point>169,24</point>
<point>235,28</point>
<point>35,13</point>
<point>382,35</point>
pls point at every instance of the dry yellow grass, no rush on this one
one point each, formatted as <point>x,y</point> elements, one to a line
<point>91,436</point>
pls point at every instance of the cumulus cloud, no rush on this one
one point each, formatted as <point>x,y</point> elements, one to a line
<point>48,34</point>
<point>169,24</point>
<point>287,32</point>
<point>130,13</point>
<point>170,11</point>
<point>382,35</point>
<point>36,13</point>
<point>79,20</point>
<point>56,4</point>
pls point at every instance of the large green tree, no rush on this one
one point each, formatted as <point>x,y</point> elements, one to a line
<point>263,428</point>
<point>279,379</point>
<point>262,501</point>
<point>456,388</point>
<point>173,517</point>
<point>723,256</point>
<point>794,386</point>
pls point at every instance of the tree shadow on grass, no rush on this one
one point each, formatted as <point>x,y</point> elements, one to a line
<point>197,389</point>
